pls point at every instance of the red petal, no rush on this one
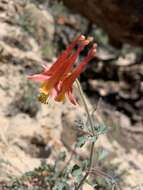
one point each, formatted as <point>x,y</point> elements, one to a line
<point>64,55</point>
<point>68,64</point>
<point>71,97</point>
<point>91,54</point>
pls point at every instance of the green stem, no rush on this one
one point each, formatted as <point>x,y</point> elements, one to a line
<point>85,105</point>
<point>92,129</point>
<point>90,165</point>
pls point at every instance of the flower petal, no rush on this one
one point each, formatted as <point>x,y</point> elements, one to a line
<point>69,80</point>
<point>63,56</point>
<point>68,64</point>
<point>63,70</point>
<point>38,77</point>
<point>45,88</point>
<point>71,97</point>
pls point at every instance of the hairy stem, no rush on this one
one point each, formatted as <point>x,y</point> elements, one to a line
<point>85,105</point>
<point>92,129</point>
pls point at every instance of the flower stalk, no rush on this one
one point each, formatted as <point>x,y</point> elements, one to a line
<point>83,99</point>
<point>57,82</point>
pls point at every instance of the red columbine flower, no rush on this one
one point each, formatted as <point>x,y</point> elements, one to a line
<point>57,81</point>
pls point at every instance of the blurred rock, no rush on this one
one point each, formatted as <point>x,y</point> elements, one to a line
<point>73,120</point>
<point>122,20</point>
<point>40,24</point>
<point>86,186</point>
<point>105,54</point>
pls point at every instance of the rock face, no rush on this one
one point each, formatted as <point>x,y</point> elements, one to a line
<point>41,23</point>
<point>122,20</point>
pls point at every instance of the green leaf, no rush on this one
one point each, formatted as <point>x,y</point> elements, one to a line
<point>84,164</point>
<point>77,172</point>
<point>102,129</point>
<point>81,141</point>
<point>61,185</point>
<point>62,156</point>
<point>102,155</point>
<point>92,139</point>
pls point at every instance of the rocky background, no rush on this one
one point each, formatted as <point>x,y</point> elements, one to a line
<point>122,20</point>
<point>35,32</point>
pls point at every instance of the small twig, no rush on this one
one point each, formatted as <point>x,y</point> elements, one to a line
<point>96,107</point>
<point>96,171</point>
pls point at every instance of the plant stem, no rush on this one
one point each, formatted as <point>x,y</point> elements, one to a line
<point>92,129</point>
<point>85,105</point>
<point>90,165</point>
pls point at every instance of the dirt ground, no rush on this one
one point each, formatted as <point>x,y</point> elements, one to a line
<point>32,34</point>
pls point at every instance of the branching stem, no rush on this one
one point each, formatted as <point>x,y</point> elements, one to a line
<point>93,133</point>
